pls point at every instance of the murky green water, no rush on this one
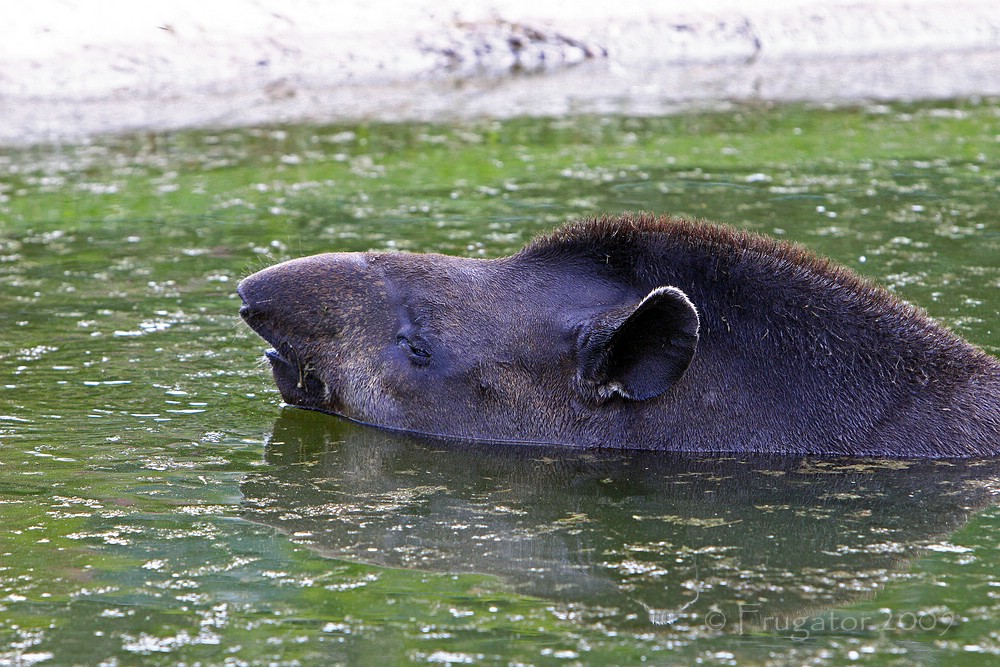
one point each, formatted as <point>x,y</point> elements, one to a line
<point>159,506</point>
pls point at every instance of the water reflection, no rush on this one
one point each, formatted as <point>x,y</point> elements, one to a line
<point>637,536</point>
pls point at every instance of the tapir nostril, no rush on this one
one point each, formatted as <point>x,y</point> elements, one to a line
<point>251,307</point>
<point>256,317</point>
<point>247,311</point>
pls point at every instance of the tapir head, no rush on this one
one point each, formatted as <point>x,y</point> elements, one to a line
<point>514,349</point>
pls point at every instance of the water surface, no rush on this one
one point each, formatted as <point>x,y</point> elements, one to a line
<point>161,507</point>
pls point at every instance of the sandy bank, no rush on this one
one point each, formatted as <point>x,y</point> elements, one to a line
<point>70,68</point>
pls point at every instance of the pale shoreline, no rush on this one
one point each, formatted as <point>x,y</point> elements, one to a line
<point>72,69</point>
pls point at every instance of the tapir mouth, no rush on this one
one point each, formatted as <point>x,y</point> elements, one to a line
<point>296,382</point>
<point>298,386</point>
<point>276,357</point>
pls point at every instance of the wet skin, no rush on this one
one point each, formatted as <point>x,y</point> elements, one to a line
<point>632,332</point>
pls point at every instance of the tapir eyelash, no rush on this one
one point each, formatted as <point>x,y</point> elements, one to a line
<point>418,352</point>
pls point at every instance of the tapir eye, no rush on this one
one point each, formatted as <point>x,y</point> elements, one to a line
<point>418,355</point>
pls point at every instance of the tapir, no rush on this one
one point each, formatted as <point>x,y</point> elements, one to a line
<point>628,331</point>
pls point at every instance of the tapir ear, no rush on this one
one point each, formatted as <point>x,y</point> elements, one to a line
<point>639,351</point>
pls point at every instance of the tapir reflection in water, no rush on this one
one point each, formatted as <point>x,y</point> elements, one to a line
<point>634,331</point>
